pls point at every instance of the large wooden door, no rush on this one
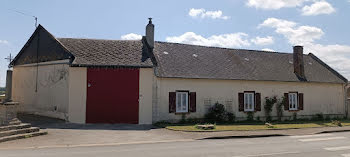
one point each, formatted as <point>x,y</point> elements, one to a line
<point>112,95</point>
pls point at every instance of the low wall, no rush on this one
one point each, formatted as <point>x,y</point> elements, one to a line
<point>8,112</point>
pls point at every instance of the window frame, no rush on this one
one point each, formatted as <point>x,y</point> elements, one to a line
<point>296,101</point>
<point>253,101</point>
<point>187,101</point>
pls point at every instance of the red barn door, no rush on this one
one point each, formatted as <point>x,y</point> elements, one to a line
<point>112,95</point>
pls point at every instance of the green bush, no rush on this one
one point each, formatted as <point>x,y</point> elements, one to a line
<point>218,114</point>
<point>250,116</point>
<point>230,117</point>
<point>269,102</point>
<point>279,108</point>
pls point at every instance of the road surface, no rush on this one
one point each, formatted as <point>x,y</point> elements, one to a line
<point>320,145</point>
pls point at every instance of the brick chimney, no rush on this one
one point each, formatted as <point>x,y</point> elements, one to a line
<point>150,33</point>
<point>298,62</point>
<point>148,43</point>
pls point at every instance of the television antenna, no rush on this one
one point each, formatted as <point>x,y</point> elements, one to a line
<point>9,59</point>
<point>25,14</point>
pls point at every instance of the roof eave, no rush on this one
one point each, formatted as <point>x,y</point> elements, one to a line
<point>111,66</point>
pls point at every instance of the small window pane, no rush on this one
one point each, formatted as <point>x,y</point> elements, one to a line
<point>181,102</point>
<point>293,101</point>
<point>178,101</point>
<point>248,101</point>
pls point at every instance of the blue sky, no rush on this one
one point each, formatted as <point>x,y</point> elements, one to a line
<point>321,26</point>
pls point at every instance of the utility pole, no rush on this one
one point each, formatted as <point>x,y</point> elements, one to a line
<point>8,80</point>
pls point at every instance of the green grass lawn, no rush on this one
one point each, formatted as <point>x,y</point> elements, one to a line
<point>257,126</point>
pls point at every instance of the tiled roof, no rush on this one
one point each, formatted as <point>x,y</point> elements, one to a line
<point>96,52</point>
<point>192,61</point>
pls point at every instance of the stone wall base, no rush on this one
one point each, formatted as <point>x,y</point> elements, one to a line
<point>8,112</point>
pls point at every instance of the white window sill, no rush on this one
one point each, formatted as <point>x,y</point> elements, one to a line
<point>248,110</point>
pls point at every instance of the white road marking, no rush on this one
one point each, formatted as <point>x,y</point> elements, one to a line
<point>345,155</point>
<point>269,154</point>
<point>337,148</point>
<point>321,139</point>
<point>310,136</point>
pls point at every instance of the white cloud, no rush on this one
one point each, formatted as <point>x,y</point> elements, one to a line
<point>296,35</point>
<point>267,49</point>
<point>336,56</point>
<point>202,13</point>
<point>4,42</point>
<point>317,8</point>
<point>196,12</point>
<point>274,4</point>
<point>263,40</point>
<point>131,36</point>
<point>224,40</point>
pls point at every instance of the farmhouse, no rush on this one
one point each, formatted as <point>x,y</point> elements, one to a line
<point>146,81</point>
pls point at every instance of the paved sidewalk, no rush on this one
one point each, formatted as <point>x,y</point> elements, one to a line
<point>61,134</point>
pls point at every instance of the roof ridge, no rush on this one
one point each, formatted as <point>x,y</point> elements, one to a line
<point>216,47</point>
<point>97,39</point>
<point>274,52</point>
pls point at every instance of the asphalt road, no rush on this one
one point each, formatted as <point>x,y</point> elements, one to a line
<point>321,145</point>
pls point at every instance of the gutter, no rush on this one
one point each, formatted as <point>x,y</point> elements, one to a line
<point>110,66</point>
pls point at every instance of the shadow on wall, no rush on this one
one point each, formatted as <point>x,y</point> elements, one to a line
<point>52,123</point>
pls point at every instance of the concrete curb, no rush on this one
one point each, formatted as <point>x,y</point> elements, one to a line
<point>267,135</point>
<point>272,129</point>
<point>333,131</point>
<point>247,136</point>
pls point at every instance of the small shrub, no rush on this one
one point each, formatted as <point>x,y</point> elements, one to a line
<point>218,114</point>
<point>230,117</point>
<point>250,116</point>
<point>279,108</point>
<point>269,102</point>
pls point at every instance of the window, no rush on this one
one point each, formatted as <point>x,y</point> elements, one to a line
<point>181,102</point>
<point>249,102</point>
<point>293,101</point>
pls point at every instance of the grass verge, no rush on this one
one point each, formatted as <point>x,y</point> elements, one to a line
<point>256,126</point>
